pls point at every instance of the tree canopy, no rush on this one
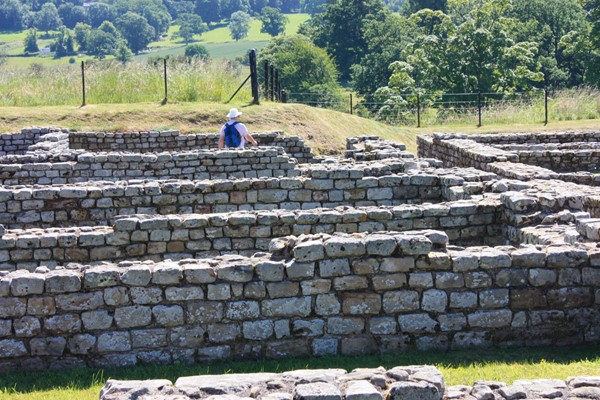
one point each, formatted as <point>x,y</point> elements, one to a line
<point>239,25</point>
<point>273,21</point>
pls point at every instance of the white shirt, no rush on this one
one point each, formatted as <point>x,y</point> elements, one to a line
<point>242,130</point>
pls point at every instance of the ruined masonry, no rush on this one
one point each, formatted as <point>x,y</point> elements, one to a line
<point>153,247</point>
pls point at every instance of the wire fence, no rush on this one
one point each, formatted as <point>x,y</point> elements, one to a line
<point>421,109</point>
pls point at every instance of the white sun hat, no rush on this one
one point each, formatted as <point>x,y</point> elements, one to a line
<point>233,113</point>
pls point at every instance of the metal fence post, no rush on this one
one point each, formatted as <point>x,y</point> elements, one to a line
<point>545,106</point>
<point>165,76</point>
<point>277,86</point>
<point>267,80</point>
<point>284,96</point>
<point>418,110</point>
<point>272,81</point>
<point>254,77</point>
<point>83,82</point>
<point>351,104</point>
<point>479,107</point>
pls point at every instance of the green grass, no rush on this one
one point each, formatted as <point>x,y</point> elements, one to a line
<point>218,42</point>
<point>458,367</point>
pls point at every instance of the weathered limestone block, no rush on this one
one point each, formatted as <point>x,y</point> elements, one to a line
<point>27,284</point>
<point>317,391</point>
<point>413,391</point>
<point>133,316</point>
<point>313,250</point>
<point>99,277</point>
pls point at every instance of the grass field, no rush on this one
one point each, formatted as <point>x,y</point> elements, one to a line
<point>218,42</point>
<point>324,130</point>
<point>459,367</point>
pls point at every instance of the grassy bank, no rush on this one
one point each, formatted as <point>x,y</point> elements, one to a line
<point>324,130</point>
<point>460,367</point>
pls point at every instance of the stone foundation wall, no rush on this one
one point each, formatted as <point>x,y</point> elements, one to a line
<point>18,143</point>
<point>173,141</point>
<point>184,236</point>
<point>314,295</point>
<point>201,164</point>
<point>99,203</point>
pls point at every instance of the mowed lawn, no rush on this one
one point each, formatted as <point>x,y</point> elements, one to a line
<point>217,40</point>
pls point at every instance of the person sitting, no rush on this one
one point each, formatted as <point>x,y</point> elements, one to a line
<point>234,134</point>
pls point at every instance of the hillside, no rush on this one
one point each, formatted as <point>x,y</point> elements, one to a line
<point>324,130</point>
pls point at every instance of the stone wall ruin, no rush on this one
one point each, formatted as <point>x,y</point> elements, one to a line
<point>378,251</point>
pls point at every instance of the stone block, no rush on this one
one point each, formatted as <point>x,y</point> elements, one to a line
<point>96,320</point>
<point>345,325</point>
<point>309,251</point>
<point>287,307</point>
<point>257,330</point>
<point>380,245</point>
<point>490,319</point>
<point>168,315</point>
<point>417,323</point>
<point>340,247</point>
<point>235,272</point>
<point>136,275</point>
<point>133,316</point>
<point>360,303</point>
<point>146,295</point>
<point>189,337</point>
<point>48,346</point>
<point>149,338</point>
<point>41,306</point>
<point>335,267</point>
<point>27,284</point>
<point>270,271</point>
<point>313,327</point>
<point>101,277</point>
<point>298,270</point>
<point>327,304</point>
<point>434,301</point>
<point>79,301</point>
<point>177,294</point>
<point>222,333</point>
<point>413,391</point>
<point>110,342</point>
<point>167,273</point>
<point>202,312</point>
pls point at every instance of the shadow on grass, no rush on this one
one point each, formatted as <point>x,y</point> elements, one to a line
<point>83,378</point>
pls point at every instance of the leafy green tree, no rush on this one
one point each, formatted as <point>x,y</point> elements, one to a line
<point>81,32</point>
<point>593,64</point>
<point>100,12</point>
<point>340,30</point>
<point>209,10</point>
<point>302,65</point>
<point>386,41</point>
<point>228,7</point>
<point>239,25</point>
<point>273,21</point>
<point>196,50</point>
<point>190,25</point>
<point>135,30</point>
<point>63,45</point>
<point>30,42</point>
<point>546,22</point>
<point>154,11</point>
<point>102,41</point>
<point>178,8</point>
<point>71,15</point>
<point>122,52</point>
<point>11,15</point>
<point>313,6</point>
<point>256,6</point>
<point>47,18</point>
<point>412,6</point>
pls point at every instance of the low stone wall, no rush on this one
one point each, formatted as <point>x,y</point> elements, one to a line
<point>398,383</point>
<point>100,202</point>
<point>184,236</point>
<point>563,153</point>
<point>173,141</point>
<point>18,143</point>
<point>314,295</point>
<point>200,164</point>
<point>370,148</point>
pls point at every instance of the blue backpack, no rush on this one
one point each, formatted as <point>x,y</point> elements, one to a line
<point>232,136</point>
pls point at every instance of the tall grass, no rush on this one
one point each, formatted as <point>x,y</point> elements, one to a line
<point>115,82</point>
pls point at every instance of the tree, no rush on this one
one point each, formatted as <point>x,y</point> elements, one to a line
<point>100,12</point>
<point>340,30</point>
<point>273,21</point>
<point>313,6</point>
<point>239,25</point>
<point>11,15</point>
<point>228,7</point>
<point>102,41</point>
<point>386,40</point>
<point>196,50</point>
<point>302,65</point>
<point>256,6</point>
<point>135,30</point>
<point>209,10</point>
<point>412,6</point>
<point>154,11</point>
<point>47,18</point>
<point>71,15</point>
<point>122,52</point>
<point>63,45</point>
<point>30,42</point>
<point>81,32</point>
<point>190,25</point>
